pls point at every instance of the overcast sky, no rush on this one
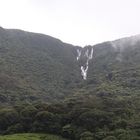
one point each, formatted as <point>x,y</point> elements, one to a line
<point>79,22</point>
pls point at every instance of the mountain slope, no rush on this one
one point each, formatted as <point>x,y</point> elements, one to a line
<point>114,68</point>
<point>37,67</point>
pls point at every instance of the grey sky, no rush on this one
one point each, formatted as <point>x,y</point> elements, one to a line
<point>79,22</point>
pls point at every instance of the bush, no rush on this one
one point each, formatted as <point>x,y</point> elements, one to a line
<point>87,135</point>
<point>8,117</point>
<point>110,138</point>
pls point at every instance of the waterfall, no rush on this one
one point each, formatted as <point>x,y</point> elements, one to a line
<point>84,72</point>
<point>78,54</point>
<point>84,68</point>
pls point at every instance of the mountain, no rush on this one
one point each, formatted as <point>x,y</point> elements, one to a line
<point>48,86</point>
<point>37,67</point>
<point>116,63</point>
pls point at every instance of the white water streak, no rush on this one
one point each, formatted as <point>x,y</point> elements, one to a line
<point>91,54</point>
<point>85,69</point>
<point>84,72</point>
<point>78,54</point>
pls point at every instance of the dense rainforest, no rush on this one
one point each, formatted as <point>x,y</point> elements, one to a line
<point>48,86</point>
<point>103,116</point>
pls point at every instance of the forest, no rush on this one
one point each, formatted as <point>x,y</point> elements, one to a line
<point>43,92</point>
<point>89,117</point>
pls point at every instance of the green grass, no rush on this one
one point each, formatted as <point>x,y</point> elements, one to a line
<point>31,136</point>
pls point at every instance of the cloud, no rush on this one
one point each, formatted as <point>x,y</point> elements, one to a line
<point>79,22</point>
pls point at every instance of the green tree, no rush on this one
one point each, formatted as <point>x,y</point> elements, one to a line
<point>8,117</point>
<point>87,135</point>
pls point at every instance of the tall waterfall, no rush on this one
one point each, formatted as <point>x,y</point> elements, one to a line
<point>89,55</point>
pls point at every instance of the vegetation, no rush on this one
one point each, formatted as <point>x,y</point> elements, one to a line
<point>85,117</point>
<point>42,91</point>
<point>30,136</point>
<point>35,67</point>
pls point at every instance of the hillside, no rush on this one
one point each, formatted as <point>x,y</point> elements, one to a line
<point>35,66</point>
<point>47,86</point>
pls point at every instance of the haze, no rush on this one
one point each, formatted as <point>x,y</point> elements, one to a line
<point>79,22</point>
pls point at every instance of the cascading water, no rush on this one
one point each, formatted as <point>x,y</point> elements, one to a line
<point>89,55</point>
<point>78,54</point>
<point>84,72</point>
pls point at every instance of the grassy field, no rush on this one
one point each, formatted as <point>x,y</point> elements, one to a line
<point>31,136</point>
